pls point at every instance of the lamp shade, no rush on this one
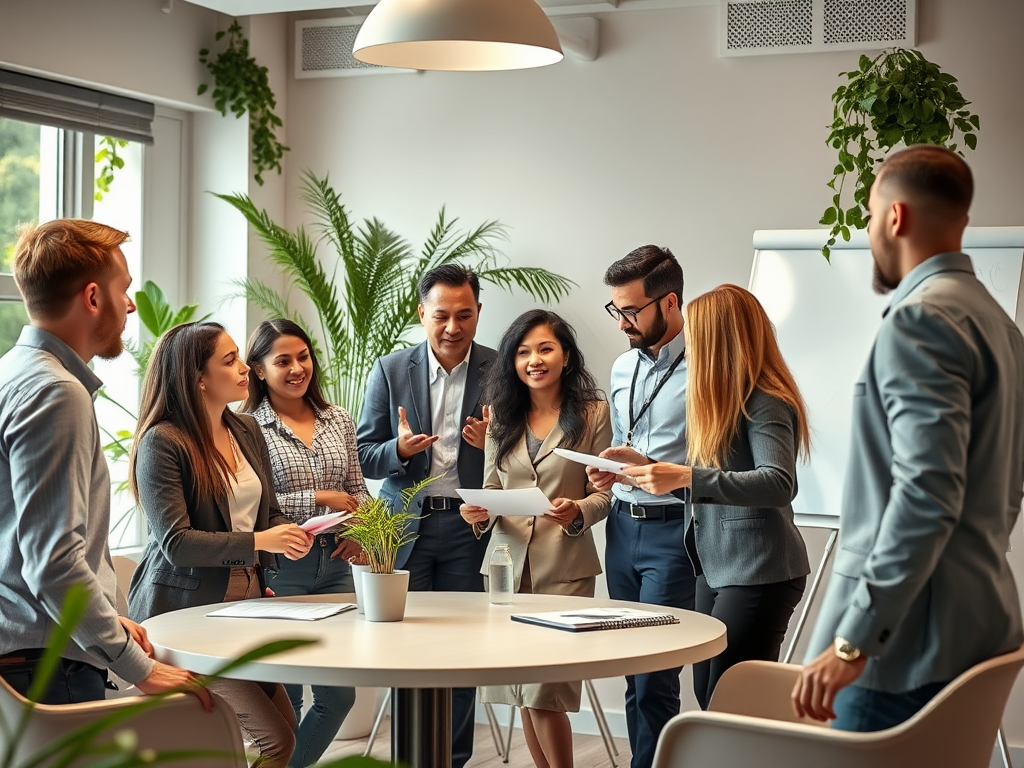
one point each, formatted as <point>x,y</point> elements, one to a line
<point>458,35</point>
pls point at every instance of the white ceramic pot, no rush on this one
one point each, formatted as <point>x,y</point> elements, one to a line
<point>357,580</point>
<point>384,595</point>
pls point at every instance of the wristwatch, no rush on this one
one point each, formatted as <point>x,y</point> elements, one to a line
<point>846,650</point>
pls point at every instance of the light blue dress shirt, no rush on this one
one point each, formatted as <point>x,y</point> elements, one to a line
<point>660,433</point>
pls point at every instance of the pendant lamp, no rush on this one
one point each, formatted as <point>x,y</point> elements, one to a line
<point>458,35</point>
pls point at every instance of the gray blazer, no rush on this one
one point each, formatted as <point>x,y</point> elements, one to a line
<point>191,547</point>
<point>921,583</point>
<point>403,379</point>
<point>742,531</point>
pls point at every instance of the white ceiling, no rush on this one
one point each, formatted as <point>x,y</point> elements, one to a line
<point>347,7</point>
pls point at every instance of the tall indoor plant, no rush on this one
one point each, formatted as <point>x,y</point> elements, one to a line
<point>897,97</point>
<point>366,300</point>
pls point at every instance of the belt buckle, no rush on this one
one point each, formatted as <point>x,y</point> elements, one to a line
<point>439,504</point>
<point>633,511</point>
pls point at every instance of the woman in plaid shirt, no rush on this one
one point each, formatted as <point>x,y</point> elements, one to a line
<point>315,471</point>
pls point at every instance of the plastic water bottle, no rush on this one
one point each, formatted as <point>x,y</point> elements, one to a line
<point>500,575</point>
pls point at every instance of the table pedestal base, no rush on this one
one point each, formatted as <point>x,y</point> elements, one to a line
<point>421,727</point>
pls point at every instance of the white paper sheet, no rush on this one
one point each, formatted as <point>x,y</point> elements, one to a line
<point>591,461</point>
<point>274,609</point>
<point>516,502</point>
<point>321,523</point>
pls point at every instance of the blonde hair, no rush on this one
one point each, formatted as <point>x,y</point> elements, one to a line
<point>731,351</point>
<point>55,260</point>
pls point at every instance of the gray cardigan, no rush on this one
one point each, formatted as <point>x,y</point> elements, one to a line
<point>742,531</point>
<point>191,546</point>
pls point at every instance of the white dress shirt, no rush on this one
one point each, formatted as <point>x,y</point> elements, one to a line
<point>447,391</point>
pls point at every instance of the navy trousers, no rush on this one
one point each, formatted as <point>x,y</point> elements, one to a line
<point>645,561</point>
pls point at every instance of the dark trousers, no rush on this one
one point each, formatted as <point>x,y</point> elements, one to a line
<point>645,561</point>
<point>756,619</point>
<point>447,558</point>
<point>74,682</point>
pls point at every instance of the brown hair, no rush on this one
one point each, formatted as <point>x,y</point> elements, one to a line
<point>55,260</point>
<point>732,351</point>
<point>171,397</point>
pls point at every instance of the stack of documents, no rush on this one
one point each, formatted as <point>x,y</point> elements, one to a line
<point>274,609</point>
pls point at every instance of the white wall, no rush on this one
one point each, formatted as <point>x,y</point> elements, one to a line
<point>659,140</point>
<point>128,46</point>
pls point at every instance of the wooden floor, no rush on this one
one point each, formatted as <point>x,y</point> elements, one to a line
<point>589,751</point>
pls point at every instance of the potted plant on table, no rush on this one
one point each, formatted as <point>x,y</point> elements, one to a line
<point>381,531</point>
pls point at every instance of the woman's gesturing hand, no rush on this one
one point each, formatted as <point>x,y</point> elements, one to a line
<point>563,512</point>
<point>658,478</point>
<point>287,539</point>
<point>473,514</point>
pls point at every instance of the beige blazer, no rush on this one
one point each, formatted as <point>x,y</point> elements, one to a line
<point>556,557</point>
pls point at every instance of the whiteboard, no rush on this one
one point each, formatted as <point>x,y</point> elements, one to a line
<point>826,317</point>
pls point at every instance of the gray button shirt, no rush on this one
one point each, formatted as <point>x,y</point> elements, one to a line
<point>55,507</point>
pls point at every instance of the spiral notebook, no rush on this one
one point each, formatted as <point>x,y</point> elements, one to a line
<point>589,619</point>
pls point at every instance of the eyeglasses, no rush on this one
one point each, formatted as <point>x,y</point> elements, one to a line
<point>630,314</point>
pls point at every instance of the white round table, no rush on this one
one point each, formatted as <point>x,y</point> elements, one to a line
<point>447,640</point>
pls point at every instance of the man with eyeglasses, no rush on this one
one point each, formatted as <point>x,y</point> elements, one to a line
<point>645,559</point>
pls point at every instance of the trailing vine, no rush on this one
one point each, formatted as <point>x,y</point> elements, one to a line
<point>107,160</point>
<point>241,85</point>
<point>899,96</point>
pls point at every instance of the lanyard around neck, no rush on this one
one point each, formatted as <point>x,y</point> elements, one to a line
<point>647,403</point>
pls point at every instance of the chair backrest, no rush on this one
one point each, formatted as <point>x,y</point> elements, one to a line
<point>758,689</point>
<point>124,567</point>
<point>176,723</point>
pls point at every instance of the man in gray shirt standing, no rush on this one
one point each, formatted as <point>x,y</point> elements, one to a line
<point>921,587</point>
<point>54,483</point>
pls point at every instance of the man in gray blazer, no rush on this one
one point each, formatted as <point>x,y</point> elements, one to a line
<point>921,587</point>
<point>422,417</point>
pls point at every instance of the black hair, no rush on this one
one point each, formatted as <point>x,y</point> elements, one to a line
<point>260,344</point>
<point>509,397</point>
<point>656,266</point>
<point>452,275</point>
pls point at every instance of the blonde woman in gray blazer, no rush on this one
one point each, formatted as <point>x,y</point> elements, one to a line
<point>745,426</point>
<point>543,397</point>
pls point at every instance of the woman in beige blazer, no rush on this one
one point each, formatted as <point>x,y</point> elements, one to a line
<point>542,397</point>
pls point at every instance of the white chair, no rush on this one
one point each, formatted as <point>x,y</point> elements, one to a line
<point>174,724</point>
<point>124,567</point>
<point>751,723</point>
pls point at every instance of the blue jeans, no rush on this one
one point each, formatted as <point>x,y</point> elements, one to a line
<point>74,682</point>
<point>864,710</point>
<point>645,561</point>
<point>315,574</point>
<point>447,558</point>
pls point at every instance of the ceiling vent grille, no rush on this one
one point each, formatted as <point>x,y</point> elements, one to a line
<point>323,48</point>
<point>757,27</point>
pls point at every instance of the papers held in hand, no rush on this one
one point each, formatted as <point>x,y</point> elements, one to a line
<point>273,609</point>
<point>516,502</point>
<point>591,461</point>
<point>321,523</point>
<point>589,619</point>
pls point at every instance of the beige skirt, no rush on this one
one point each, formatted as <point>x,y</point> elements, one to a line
<point>556,697</point>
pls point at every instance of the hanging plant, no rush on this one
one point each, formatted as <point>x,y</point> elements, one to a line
<point>107,160</point>
<point>899,96</point>
<point>241,85</point>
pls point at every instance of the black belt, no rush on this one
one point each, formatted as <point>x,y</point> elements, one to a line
<point>651,511</point>
<point>441,503</point>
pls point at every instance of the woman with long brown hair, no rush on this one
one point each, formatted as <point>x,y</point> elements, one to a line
<point>201,474</point>
<point>746,424</point>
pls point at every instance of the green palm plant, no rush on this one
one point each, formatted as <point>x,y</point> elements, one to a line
<point>368,312</point>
